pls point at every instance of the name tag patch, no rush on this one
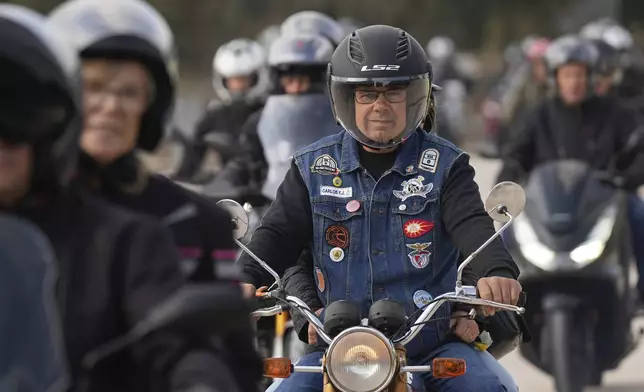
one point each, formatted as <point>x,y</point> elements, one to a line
<point>336,192</point>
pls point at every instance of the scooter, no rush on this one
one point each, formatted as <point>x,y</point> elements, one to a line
<point>573,247</point>
<point>355,345</point>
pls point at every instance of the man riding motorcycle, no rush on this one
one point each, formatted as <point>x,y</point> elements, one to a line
<point>241,81</point>
<point>129,84</point>
<point>577,124</point>
<point>114,265</point>
<point>425,198</point>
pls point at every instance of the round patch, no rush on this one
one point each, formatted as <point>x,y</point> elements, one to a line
<point>336,254</point>
<point>422,298</point>
<point>337,181</point>
<point>337,236</point>
<point>319,277</point>
<point>417,227</point>
<point>353,206</point>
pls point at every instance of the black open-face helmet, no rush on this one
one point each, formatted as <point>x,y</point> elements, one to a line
<point>127,30</point>
<point>39,94</point>
<point>379,56</point>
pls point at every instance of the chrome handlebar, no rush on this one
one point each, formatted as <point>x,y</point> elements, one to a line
<point>469,298</point>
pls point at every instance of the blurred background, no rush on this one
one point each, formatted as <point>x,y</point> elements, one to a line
<point>486,29</point>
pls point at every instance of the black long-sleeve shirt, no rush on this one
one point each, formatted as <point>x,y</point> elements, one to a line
<point>287,227</point>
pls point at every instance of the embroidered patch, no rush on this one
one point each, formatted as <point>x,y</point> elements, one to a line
<point>429,160</point>
<point>319,277</point>
<point>336,254</point>
<point>409,169</point>
<point>337,235</point>
<point>337,181</point>
<point>422,298</point>
<point>414,187</point>
<point>417,227</point>
<point>325,165</point>
<point>336,192</point>
<point>419,256</point>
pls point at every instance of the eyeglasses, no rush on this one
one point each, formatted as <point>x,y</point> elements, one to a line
<point>392,96</point>
<point>128,97</point>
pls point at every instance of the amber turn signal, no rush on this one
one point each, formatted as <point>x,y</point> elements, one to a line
<point>277,367</point>
<point>448,367</point>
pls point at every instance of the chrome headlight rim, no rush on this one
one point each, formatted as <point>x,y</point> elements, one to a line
<point>390,350</point>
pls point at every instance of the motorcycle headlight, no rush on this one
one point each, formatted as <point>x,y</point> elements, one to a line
<point>361,360</point>
<point>531,248</point>
<point>595,244</point>
<point>587,252</point>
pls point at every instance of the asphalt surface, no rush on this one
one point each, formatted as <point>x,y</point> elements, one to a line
<point>628,377</point>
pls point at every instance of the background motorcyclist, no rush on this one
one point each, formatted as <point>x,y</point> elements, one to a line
<point>114,265</point>
<point>298,63</point>
<point>577,124</point>
<point>129,84</point>
<point>241,81</point>
<point>629,76</point>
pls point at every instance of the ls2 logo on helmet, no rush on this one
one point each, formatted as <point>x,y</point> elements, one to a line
<point>366,68</point>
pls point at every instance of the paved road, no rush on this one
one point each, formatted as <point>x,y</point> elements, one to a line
<point>629,377</point>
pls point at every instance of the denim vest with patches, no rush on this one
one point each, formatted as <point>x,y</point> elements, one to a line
<point>382,238</point>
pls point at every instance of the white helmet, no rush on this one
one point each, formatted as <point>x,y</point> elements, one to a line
<point>440,48</point>
<point>240,57</point>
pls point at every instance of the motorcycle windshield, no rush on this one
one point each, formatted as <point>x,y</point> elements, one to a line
<point>564,201</point>
<point>288,123</point>
<point>32,356</point>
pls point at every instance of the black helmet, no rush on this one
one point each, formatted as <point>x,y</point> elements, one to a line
<point>379,56</point>
<point>127,29</point>
<point>41,93</point>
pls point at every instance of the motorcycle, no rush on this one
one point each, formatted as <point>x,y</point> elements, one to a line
<point>355,345</point>
<point>574,250</point>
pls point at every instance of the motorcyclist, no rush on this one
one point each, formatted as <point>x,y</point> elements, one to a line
<point>114,265</point>
<point>241,80</point>
<point>555,128</point>
<point>297,62</point>
<point>629,80</point>
<point>608,71</point>
<point>381,112</point>
<point>129,83</point>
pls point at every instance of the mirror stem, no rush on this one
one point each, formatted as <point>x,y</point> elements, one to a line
<point>261,262</point>
<point>459,276</point>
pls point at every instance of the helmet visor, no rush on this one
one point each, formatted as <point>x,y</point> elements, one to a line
<point>380,112</point>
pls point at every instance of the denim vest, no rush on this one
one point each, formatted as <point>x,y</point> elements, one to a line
<point>382,238</point>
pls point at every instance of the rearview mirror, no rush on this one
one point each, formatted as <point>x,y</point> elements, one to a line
<point>507,197</point>
<point>239,217</point>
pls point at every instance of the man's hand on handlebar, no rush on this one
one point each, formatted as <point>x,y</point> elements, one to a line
<point>498,289</point>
